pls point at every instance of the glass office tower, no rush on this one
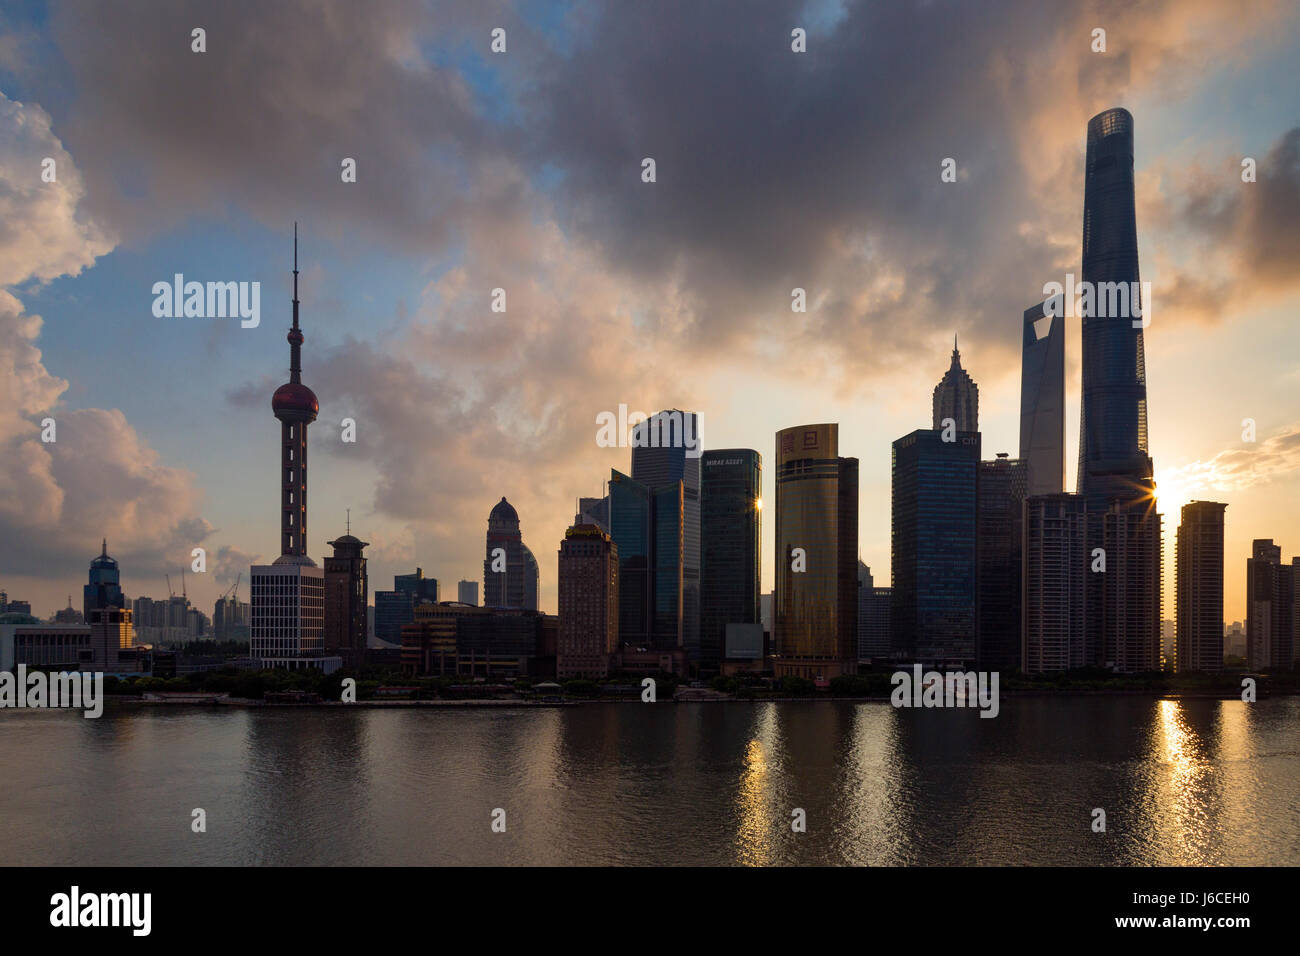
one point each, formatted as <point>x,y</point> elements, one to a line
<point>630,527</point>
<point>731,537</point>
<point>665,452</point>
<point>933,547</point>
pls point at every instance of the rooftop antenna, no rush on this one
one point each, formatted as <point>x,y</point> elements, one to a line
<point>349,521</point>
<point>295,336</point>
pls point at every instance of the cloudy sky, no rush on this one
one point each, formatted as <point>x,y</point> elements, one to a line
<point>522,171</point>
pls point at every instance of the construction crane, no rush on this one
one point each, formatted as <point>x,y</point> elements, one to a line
<point>170,593</point>
<point>231,590</point>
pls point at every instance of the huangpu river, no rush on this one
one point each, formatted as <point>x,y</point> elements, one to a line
<point>1181,782</point>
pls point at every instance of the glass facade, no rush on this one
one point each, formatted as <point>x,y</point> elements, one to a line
<point>933,546</point>
<point>102,589</point>
<point>1003,483</point>
<point>629,517</point>
<point>731,537</point>
<point>1042,400</point>
<point>666,452</point>
<point>815,613</point>
<point>1113,454</point>
<point>668,524</point>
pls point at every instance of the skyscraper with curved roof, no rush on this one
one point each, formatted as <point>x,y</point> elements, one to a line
<point>1113,455</point>
<point>510,571</point>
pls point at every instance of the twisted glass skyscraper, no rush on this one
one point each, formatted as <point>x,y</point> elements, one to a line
<point>1113,455</point>
<point>1116,475</point>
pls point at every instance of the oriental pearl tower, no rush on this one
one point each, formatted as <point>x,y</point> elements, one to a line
<point>296,406</point>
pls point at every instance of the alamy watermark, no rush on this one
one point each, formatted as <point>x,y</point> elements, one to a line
<point>1115,300</point>
<point>922,688</point>
<point>81,690</point>
<point>669,429</point>
<point>75,909</point>
<point>213,300</point>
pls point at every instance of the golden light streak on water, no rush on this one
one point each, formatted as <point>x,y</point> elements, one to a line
<point>755,796</point>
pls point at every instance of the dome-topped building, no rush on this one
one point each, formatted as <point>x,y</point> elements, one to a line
<point>503,515</point>
<point>510,571</point>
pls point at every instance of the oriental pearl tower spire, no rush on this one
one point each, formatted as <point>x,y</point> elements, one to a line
<point>296,406</point>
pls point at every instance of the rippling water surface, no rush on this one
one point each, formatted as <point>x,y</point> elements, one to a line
<point>1182,782</point>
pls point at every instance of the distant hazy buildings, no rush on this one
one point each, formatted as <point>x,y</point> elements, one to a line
<point>816,609</point>
<point>1234,640</point>
<point>667,452</point>
<point>8,606</point>
<point>347,595</point>
<point>69,614</point>
<point>873,618</point>
<point>999,530</point>
<point>510,571</point>
<point>467,592</point>
<point>230,619</point>
<point>1271,627</point>
<point>731,535</point>
<point>957,397</point>
<point>1200,587</point>
<point>1042,401</point>
<point>588,603</point>
<point>1056,569</point>
<point>933,546</point>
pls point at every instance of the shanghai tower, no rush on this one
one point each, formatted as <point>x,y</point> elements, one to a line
<point>1113,455</point>
<point>1123,605</point>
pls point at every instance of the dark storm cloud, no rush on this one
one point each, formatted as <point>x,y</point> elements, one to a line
<point>263,119</point>
<point>1245,235</point>
<point>775,170</point>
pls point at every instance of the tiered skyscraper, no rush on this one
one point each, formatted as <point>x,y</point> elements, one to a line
<point>103,589</point>
<point>957,397</point>
<point>288,596</point>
